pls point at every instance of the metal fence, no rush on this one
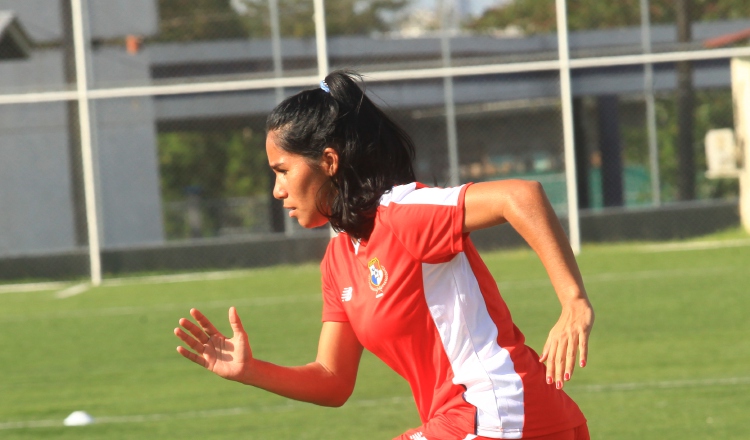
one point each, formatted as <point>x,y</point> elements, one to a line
<point>139,125</point>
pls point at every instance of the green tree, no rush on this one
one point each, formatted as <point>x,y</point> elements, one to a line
<point>538,16</point>
<point>212,165</point>
<point>713,109</point>
<point>189,20</point>
<point>220,163</point>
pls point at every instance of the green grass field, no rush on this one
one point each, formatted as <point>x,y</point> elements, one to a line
<point>669,354</point>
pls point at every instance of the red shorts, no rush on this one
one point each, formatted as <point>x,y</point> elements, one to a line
<point>441,431</point>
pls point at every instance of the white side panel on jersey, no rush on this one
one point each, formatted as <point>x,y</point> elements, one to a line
<point>470,341</point>
<point>409,194</point>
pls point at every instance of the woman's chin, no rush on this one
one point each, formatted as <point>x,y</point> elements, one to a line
<point>312,223</point>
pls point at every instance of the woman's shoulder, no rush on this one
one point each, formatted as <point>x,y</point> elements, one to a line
<point>398,193</point>
<point>417,193</point>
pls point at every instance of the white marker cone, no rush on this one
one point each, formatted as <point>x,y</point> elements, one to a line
<point>78,418</point>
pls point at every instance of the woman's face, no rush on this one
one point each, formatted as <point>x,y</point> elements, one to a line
<point>298,182</point>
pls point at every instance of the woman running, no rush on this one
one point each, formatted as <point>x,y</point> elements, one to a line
<point>403,280</point>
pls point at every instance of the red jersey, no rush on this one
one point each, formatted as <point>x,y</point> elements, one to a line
<point>418,296</point>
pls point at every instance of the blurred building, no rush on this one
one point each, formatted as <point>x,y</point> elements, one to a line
<point>40,187</point>
<point>40,173</point>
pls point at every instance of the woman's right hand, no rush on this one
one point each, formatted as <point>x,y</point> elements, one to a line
<point>229,358</point>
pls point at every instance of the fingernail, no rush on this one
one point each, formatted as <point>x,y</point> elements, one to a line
<point>567,376</point>
<point>549,380</point>
<point>583,363</point>
<point>558,385</point>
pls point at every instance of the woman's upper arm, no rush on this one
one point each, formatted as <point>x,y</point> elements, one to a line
<point>525,206</point>
<point>486,203</point>
<point>339,352</point>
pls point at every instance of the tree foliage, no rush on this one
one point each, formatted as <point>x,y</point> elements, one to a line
<point>538,16</point>
<point>209,167</point>
<point>190,20</point>
<point>187,20</point>
<point>215,163</point>
<point>713,109</point>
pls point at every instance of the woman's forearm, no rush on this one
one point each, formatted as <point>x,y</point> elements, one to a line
<point>311,383</point>
<point>329,381</point>
<point>531,215</point>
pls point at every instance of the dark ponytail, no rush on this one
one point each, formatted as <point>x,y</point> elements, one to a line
<point>375,154</point>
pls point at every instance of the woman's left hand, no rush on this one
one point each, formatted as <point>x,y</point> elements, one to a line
<point>570,334</point>
<point>230,358</point>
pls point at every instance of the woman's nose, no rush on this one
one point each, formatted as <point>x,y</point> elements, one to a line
<point>278,192</point>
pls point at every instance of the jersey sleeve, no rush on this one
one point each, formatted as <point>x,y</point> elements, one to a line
<point>333,310</point>
<point>429,222</point>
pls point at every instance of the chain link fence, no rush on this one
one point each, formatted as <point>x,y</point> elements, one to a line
<point>164,101</point>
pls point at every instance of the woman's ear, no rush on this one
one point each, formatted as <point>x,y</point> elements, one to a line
<point>330,161</point>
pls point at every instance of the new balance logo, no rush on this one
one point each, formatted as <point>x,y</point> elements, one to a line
<point>417,436</point>
<point>346,294</point>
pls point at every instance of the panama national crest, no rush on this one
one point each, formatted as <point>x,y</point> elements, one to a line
<point>378,277</point>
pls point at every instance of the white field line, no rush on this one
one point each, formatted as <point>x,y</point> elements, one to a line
<point>229,274</point>
<point>144,418</point>
<point>288,299</point>
<point>669,384</point>
<point>32,287</point>
<point>171,307</point>
<point>620,276</point>
<point>178,278</point>
<point>315,297</point>
<point>115,282</point>
<point>654,274</point>
<point>696,245</point>
<point>292,405</point>
<point>73,291</point>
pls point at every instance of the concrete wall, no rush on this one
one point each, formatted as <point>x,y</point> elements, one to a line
<point>35,188</point>
<point>130,196</point>
<point>35,169</point>
<point>671,222</point>
<point>258,251</point>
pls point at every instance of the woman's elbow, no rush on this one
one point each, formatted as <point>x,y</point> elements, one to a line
<point>526,200</point>
<point>528,188</point>
<point>334,403</point>
<point>338,397</point>
<point>529,191</point>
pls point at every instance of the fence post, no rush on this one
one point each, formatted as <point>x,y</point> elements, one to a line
<point>740,68</point>
<point>89,186</point>
<point>566,100</point>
